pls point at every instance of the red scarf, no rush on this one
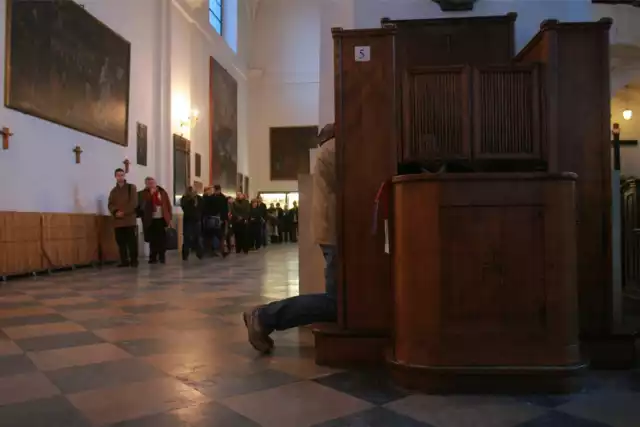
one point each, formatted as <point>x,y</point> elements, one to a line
<point>155,198</point>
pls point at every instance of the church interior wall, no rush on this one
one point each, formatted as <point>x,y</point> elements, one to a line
<point>40,163</point>
<point>284,79</point>
<point>38,171</point>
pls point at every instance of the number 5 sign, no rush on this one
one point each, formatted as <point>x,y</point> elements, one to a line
<point>363,53</point>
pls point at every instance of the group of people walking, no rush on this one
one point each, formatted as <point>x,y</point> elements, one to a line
<point>212,224</point>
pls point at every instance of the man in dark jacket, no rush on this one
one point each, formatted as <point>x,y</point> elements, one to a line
<point>215,218</point>
<point>123,201</point>
<point>263,214</point>
<point>191,204</point>
<point>240,214</point>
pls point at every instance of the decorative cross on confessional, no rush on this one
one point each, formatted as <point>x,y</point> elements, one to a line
<point>77,150</point>
<point>494,267</point>
<point>6,133</point>
<point>126,163</point>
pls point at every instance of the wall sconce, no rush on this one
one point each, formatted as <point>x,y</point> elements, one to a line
<point>190,122</point>
<point>627,114</point>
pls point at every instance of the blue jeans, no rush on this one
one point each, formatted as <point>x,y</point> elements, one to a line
<point>305,309</point>
<point>191,238</point>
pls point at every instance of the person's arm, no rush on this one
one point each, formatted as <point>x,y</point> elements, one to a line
<point>132,201</point>
<point>111,206</point>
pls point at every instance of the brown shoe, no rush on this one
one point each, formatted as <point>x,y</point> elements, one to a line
<point>258,337</point>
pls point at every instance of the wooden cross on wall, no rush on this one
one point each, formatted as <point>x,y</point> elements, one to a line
<point>6,133</point>
<point>77,150</point>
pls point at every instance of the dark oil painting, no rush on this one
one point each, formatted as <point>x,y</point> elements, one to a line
<point>224,127</point>
<point>289,150</point>
<point>141,144</point>
<point>65,66</point>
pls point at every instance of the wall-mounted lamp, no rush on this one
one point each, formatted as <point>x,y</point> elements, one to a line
<point>190,121</point>
<point>627,114</point>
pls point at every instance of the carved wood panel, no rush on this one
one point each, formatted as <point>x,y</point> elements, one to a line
<point>436,118</point>
<point>506,112</point>
<point>493,270</point>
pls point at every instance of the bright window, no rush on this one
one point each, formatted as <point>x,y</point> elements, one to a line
<point>215,14</point>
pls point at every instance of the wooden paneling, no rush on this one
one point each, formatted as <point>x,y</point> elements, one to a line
<point>436,117</point>
<point>454,41</point>
<point>365,156</point>
<point>20,243</point>
<point>32,242</point>
<point>485,277</point>
<point>506,112</point>
<point>577,133</point>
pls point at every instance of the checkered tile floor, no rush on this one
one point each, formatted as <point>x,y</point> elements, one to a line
<point>165,347</point>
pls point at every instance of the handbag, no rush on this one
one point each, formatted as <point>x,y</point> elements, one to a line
<point>171,243</point>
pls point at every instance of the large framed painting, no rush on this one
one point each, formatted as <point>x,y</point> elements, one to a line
<point>289,149</point>
<point>223,111</point>
<point>141,144</point>
<point>65,66</point>
<point>181,167</point>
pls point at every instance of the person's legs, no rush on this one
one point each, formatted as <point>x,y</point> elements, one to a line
<point>187,239</point>
<point>121,240</point>
<point>295,311</point>
<point>132,245</point>
<point>162,240</point>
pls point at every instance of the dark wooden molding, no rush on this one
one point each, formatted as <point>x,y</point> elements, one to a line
<point>455,5</point>
<point>634,3</point>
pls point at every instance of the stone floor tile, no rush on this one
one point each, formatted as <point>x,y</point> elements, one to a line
<point>52,412</point>
<point>559,419</point>
<point>213,414</point>
<point>9,348</point>
<point>616,408</point>
<point>52,342</point>
<point>50,360</point>
<point>25,387</point>
<point>373,387</point>
<point>135,400</point>
<point>466,411</point>
<point>307,403</point>
<point>103,375</point>
<point>376,417</point>
<point>32,331</point>
<point>15,364</point>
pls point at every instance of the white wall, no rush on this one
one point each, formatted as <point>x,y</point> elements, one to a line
<point>40,164</point>
<point>284,80</point>
<point>171,42</point>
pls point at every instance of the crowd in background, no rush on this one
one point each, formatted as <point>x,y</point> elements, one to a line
<point>217,224</point>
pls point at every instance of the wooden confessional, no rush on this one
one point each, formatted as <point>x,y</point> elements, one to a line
<point>489,256</point>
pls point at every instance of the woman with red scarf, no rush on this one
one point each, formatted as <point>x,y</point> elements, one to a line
<point>156,217</point>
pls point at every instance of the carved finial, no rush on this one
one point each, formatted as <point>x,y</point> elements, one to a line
<point>548,23</point>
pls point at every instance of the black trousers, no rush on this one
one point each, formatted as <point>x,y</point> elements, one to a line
<point>240,231</point>
<point>127,244</point>
<point>255,234</point>
<point>294,232</point>
<point>191,238</point>
<point>157,238</point>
